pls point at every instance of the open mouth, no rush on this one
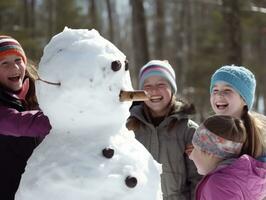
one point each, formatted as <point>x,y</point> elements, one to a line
<point>156,98</point>
<point>14,78</point>
<point>221,106</point>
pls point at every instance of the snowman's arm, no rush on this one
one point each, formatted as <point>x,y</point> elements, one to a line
<point>27,123</point>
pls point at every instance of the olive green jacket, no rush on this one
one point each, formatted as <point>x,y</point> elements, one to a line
<point>167,143</point>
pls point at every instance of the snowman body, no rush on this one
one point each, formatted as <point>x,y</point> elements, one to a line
<point>89,154</point>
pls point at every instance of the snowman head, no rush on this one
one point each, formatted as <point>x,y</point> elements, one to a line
<point>91,72</point>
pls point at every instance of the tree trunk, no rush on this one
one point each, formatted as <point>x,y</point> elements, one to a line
<point>94,20</point>
<point>232,31</point>
<point>181,42</point>
<point>110,18</point>
<point>50,21</point>
<point>33,18</point>
<point>260,62</point>
<point>159,29</point>
<point>1,22</point>
<point>140,41</point>
<point>26,14</point>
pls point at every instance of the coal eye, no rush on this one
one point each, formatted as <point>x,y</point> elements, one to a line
<point>126,65</point>
<point>116,65</point>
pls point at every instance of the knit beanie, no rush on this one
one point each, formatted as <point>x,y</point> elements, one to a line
<point>158,68</point>
<point>240,79</point>
<point>9,46</point>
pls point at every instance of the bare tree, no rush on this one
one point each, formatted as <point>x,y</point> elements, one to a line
<point>232,31</point>
<point>257,53</point>
<point>29,16</point>
<point>180,37</point>
<point>94,19</point>
<point>50,22</point>
<point>110,18</point>
<point>26,14</point>
<point>33,17</point>
<point>159,29</point>
<point>140,42</point>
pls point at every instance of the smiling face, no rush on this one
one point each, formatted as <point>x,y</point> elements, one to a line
<point>226,101</point>
<point>160,94</point>
<point>12,72</point>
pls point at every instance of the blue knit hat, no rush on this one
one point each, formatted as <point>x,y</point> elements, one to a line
<point>240,79</point>
<point>158,68</point>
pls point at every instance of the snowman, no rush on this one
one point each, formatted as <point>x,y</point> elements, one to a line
<point>89,154</point>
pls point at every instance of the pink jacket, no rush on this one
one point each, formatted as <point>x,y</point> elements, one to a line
<point>243,179</point>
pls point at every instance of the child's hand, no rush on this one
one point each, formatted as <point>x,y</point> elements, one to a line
<point>24,90</point>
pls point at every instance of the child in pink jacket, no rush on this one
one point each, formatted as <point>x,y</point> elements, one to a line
<point>217,145</point>
<point>21,122</point>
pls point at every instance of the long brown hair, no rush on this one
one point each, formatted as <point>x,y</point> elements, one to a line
<point>227,127</point>
<point>31,99</point>
<point>253,145</point>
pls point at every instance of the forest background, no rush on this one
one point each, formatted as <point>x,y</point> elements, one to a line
<point>195,36</point>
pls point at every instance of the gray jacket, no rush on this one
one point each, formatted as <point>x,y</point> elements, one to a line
<point>166,142</point>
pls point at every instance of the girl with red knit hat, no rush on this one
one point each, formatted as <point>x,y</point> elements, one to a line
<point>21,122</point>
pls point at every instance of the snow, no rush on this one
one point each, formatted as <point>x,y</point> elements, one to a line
<point>87,117</point>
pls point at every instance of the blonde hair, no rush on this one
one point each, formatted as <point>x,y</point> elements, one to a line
<point>254,144</point>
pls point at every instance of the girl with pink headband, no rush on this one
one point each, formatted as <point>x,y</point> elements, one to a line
<point>217,151</point>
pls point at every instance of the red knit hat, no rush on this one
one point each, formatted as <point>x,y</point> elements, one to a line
<point>9,45</point>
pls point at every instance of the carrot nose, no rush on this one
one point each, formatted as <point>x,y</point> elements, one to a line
<point>137,95</point>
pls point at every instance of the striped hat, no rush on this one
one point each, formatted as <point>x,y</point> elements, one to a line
<point>9,45</point>
<point>158,68</point>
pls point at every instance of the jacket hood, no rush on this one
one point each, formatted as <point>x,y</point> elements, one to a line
<point>249,174</point>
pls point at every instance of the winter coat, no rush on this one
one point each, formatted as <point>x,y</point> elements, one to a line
<point>243,179</point>
<point>18,131</point>
<point>166,143</point>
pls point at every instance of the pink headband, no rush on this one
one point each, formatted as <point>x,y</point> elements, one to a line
<point>211,143</point>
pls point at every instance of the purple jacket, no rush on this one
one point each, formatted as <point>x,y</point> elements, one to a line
<point>18,138</point>
<point>243,179</point>
<point>25,123</point>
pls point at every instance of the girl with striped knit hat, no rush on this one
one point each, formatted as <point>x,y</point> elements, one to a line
<point>20,125</point>
<point>163,126</point>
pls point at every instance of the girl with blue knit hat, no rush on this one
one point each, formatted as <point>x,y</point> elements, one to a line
<point>163,126</point>
<point>232,91</point>
<point>21,122</point>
